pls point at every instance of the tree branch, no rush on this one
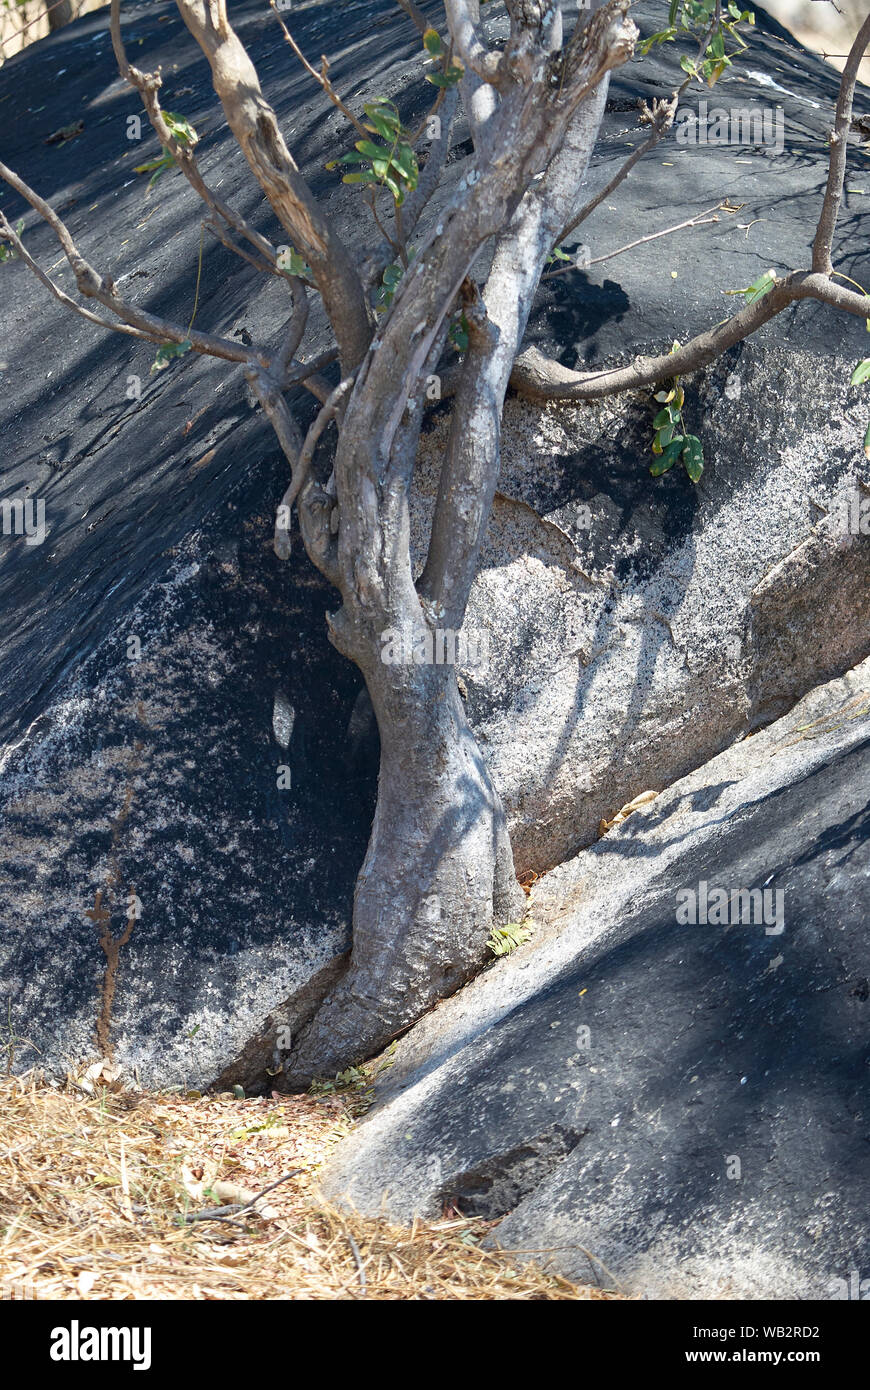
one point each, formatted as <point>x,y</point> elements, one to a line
<point>415,14</point>
<point>541,379</point>
<point>7,233</point>
<point>255,127</point>
<point>470,470</point>
<point>662,118</point>
<point>148,84</point>
<point>469,45</point>
<point>700,220</point>
<point>839,145</point>
<point>321,77</point>
<point>102,288</point>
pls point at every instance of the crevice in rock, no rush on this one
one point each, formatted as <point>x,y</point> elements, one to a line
<point>498,1185</point>
<point>259,1066</point>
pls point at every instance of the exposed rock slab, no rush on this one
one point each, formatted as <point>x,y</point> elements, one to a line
<point>680,1110</point>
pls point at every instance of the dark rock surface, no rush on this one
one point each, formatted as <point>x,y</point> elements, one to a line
<point>682,1110</point>
<point>159,776</point>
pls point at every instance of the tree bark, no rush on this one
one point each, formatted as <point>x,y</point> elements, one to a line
<point>437,877</point>
<point>60,14</point>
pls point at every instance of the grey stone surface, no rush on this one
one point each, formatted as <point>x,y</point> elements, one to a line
<point>677,1110</point>
<point>636,628</point>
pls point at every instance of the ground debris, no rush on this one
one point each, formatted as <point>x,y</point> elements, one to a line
<point>97,1191</point>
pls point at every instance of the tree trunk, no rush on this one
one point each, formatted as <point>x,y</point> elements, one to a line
<point>60,14</point>
<point>438,874</point>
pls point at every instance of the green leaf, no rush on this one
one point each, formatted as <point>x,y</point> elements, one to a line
<point>363,176</point>
<point>665,435</point>
<point>713,71</point>
<point>181,128</point>
<point>371,150</point>
<point>432,43</point>
<point>397,192</point>
<point>385,118</point>
<point>289,262</point>
<point>167,352</point>
<point>693,457</point>
<point>663,36</point>
<point>861,373</point>
<point>663,418</point>
<point>672,11</point>
<point>687,65</point>
<point>446,79</point>
<point>405,161</point>
<point>389,284</point>
<point>669,457</point>
<point>760,287</point>
<point>458,333</point>
<point>867,442</point>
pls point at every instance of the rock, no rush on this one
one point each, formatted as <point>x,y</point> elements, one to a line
<point>637,626</point>
<point>676,1110</point>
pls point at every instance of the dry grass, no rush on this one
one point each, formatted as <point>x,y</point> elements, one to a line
<point>95,1189</point>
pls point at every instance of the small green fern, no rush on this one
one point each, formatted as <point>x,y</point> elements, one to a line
<point>503,940</point>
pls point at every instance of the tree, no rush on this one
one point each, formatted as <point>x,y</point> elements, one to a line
<point>438,875</point>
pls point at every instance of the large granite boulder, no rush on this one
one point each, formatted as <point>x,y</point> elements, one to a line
<point>667,1090</point>
<point>637,626</point>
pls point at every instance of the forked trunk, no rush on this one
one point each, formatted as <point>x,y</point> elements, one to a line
<point>438,874</point>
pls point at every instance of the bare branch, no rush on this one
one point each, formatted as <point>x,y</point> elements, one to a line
<point>837,161</point>
<point>299,454</point>
<point>223,236</point>
<point>295,329</point>
<point>321,77</point>
<point>289,437</point>
<point>468,43</point>
<point>148,84</point>
<point>470,470</point>
<point>662,118</point>
<point>307,374</point>
<point>700,220</point>
<point>467,479</point>
<point>539,378</point>
<point>8,234</point>
<point>255,127</point>
<point>415,14</point>
<point>102,288</point>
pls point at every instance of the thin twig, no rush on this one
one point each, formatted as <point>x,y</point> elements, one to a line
<point>235,1209</point>
<point>354,1248</point>
<point>322,77</point>
<point>837,161</point>
<point>148,84</point>
<point>662,116</point>
<point>102,288</point>
<point>699,221</point>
